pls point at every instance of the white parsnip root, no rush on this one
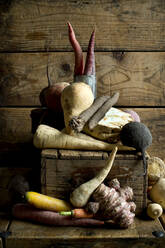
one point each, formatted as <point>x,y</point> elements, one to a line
<point>80,196</point>
<point>48,137</point>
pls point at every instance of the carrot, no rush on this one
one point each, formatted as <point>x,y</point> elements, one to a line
<point>77,213</point>
<point>77,122</point>
<point>80,196</point>
<point>99,114</point>
<point>90,59</point>
<point>79,67</point>
<point>46,202</point>
<point>49,137</point>
<point>26,212</point>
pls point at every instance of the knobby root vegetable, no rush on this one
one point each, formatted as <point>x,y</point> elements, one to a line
<point>102,110</point>
<point>92,207</point>
<point>46,202</point>
<point>79,67</point>
<point>77,213</point>
<point>75,98</point>
<point>77,122</point>
<point>80,196</point>
<point>154,210</point>
<point>26,212</point>
<point>157,193</point>
<point>115,204</point>
<point>156,169</point>
<point>48,137</point>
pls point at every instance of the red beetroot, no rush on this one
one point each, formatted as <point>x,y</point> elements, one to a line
<point>27,212</point>
<point>53,96</point>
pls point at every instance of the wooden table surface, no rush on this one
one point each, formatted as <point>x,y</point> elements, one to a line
<point>25,234</point>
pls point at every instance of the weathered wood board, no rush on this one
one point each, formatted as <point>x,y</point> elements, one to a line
<point>139,234</point>
<point>4,223</point>
<point>41,25</point>
<point>139,77</point>
<point>6,175</point>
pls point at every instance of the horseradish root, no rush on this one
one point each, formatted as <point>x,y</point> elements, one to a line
<point>80,196</point>
<point>114,203</point>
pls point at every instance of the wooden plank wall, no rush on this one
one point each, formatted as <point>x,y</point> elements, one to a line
<point>130,58</point>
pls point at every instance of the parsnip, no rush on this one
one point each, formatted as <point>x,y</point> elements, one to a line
<point>80,196</point>
<point>48,137</point>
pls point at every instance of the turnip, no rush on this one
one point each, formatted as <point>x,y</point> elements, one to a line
<point>75,98</point>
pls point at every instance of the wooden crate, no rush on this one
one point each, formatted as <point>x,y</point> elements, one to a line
<point>63,170</point>
<point>26,234</point>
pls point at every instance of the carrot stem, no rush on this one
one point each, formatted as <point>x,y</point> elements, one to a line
<point>79,67</point>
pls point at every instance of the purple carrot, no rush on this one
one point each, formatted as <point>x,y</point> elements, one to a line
<point>79,67</point>
<point>26,212</point>
<point>90,59</point>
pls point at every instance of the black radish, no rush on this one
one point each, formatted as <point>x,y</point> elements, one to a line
<point>137,135</point>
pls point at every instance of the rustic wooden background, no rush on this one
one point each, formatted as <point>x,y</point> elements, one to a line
<point>130,58</point>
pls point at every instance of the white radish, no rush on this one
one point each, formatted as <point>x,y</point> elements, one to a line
<point>154,210</point>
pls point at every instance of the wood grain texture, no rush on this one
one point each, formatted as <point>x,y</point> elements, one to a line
<point>138,76</point>
<point>15,127</point>
<point>25,233</point>
<point>41,25</point>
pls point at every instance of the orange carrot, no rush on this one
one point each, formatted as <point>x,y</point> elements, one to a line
<point>77,213</point>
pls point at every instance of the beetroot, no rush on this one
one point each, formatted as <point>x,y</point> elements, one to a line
<point>52,96</point>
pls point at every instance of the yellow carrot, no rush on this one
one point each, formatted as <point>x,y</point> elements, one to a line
<point>46,202</point>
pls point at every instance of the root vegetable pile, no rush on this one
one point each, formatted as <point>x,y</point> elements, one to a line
<point>115,203</point>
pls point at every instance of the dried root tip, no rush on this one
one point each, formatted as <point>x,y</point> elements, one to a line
<point>76,124</point>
